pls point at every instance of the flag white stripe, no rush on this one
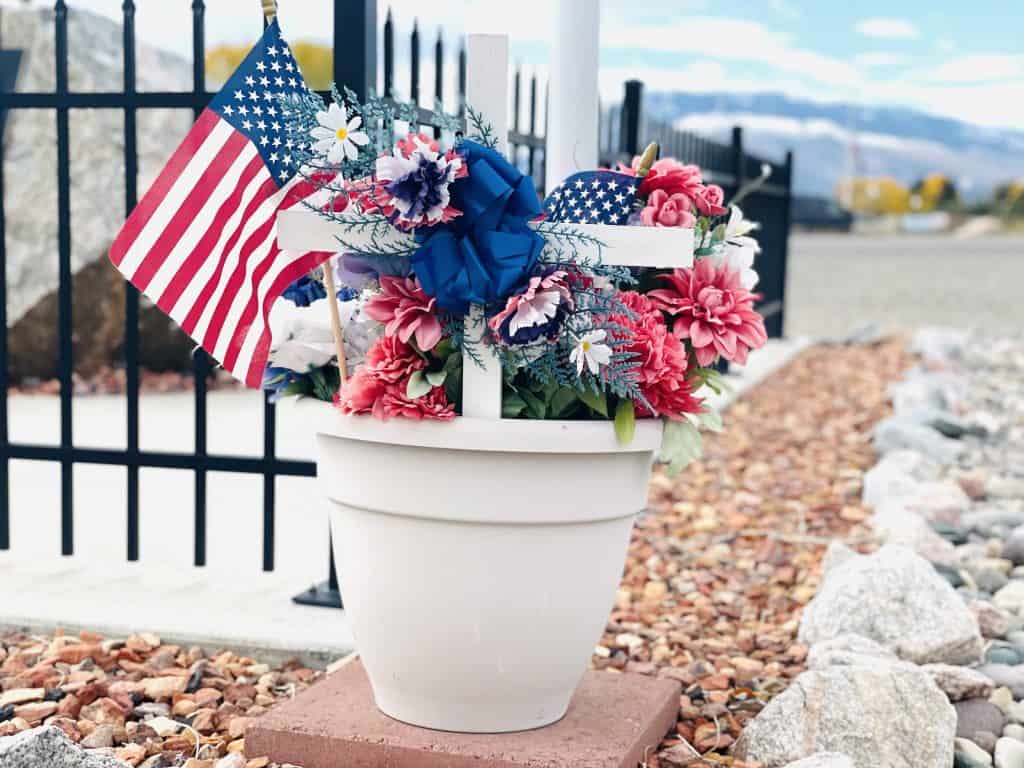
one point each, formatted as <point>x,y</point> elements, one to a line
<point>176,195</point>
<point>200,225</point>
<point>202,275</point>
<point>267,209</point>
<point>255,331</point>
<point>243,294</point>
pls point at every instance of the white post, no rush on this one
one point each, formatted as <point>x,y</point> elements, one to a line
<point>572,91</point>
<point>487,93</point>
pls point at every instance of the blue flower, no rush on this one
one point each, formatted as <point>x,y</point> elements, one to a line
<point>486,253</point>
<point>305,291</point>
<point>281,382</point>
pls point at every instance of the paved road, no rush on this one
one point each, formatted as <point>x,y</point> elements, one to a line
<point>838,283</point>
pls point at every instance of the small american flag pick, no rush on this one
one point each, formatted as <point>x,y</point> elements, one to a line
<point>592,197</point>
<point>202,242</point>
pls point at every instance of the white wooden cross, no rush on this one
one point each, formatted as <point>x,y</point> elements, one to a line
<point>487,90</point>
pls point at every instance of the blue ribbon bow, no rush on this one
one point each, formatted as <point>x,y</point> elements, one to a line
<point>486,253</point>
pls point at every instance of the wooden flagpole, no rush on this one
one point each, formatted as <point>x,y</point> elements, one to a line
<point>336,328</point>
<point>269,9</point>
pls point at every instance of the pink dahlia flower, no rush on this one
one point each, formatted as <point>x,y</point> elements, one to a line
<point>665,210</point>
<point>360,392</point>
<point>433,405</point>
<point>659,358</point>
<point>713,310</point>
<point>406,311</point>
<point>392,360</point>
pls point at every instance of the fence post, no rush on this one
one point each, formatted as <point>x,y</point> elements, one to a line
<point>738,159</point>
<point>787,220</point>
<point>629,122</point>
<point>355,45</point>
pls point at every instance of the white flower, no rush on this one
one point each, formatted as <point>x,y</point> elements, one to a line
<point>337,138</point>
<point>301,337</point>
<point>590,352</point>
<point>739,248</point>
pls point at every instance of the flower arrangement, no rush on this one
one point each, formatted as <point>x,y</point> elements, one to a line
<point>442,230</point>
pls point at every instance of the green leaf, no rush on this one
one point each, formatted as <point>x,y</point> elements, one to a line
<point>436,378</point>
<point>512,405</point>
<point>595,401</point>
<point>625,422</point>
<point>418,386</point>
<point>681,443</point>
<point>443,348</point>
<point>713,380</point>
<point>718,234</point>
<point>710,419</point>
<point>562,402</point>
<point>535,406</point>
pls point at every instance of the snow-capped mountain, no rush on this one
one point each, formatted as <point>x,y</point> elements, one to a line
<point>832,140</point>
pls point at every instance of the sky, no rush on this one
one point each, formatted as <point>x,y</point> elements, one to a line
<point>945,57</point>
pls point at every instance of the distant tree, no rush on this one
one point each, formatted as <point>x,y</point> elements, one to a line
<point>936,192</point>
<point>315,61</point>
<point>881,195</point>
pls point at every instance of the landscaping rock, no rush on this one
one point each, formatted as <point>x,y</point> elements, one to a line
<point>1014,731</point>
<point>967,754</point>
<point>894,716</point>
<point>991,620</point>
<point>49,747</point>
<point>977,715</point>
<point>849,650</point>
<point>1013,546</point>
<point>896,433</point>
<point>995,519</point>
<point>897,474</point>
<point>824,760</point>
<point>959,683</point>
<point>896,523</point>
<point>1010,598</point>
<point>1011,676</point>
<point>1009,753</point>
<point>895,598</point>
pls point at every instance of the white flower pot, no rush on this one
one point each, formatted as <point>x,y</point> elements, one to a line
<point>478,559</point>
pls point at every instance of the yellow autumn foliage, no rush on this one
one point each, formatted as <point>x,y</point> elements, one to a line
<point>315,60</point>
<point>935,192</point>
<point>874,195</point>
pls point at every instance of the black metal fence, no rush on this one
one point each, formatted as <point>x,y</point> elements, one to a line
<point>624,132</point>
<point>355,63</point>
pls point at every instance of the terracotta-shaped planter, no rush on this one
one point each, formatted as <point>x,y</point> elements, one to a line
<point>479,559</point>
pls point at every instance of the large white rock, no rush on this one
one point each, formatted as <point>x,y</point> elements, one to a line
<point>888,717</point>
<point>896,523</point>
<point>895,598</point>
<point>896,433</point>
<point>897,474</point>
<point>96,144</point>
<point>49,747</point>
<point>850,651</point>
<point>824,760</point>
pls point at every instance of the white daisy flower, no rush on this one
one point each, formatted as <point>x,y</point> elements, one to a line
<point>337,138</point>
<point>590,352</point>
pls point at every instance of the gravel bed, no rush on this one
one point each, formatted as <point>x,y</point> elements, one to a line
<point>720,569</point>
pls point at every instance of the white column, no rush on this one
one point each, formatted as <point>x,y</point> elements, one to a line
<point>572,90</point>
<point>487,93</point>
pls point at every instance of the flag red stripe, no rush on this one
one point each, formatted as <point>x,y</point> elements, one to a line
<point>293,198</point>
<point>184,274</point>
<point>155,195</point>
<point>237,277</point>
<point>193,203</point>
<point>196,312</point>
<point>295,270</point>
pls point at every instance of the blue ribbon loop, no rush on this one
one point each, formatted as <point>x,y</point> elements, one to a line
<point>482,256</point>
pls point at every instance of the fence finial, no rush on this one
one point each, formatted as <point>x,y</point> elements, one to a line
<point>647,159</point>
<point>269,9</point>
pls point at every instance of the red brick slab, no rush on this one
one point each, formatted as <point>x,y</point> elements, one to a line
<point>612,719</point>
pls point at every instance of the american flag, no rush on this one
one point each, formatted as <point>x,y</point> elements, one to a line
<point>592,197</point>
<point>202,243</point>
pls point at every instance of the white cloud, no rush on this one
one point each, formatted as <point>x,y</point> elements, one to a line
<point>980,68</point>
<point>881,59</point>
<point>888,29</point>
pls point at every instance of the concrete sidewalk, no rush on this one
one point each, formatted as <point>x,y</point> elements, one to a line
<point>231,602</point>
